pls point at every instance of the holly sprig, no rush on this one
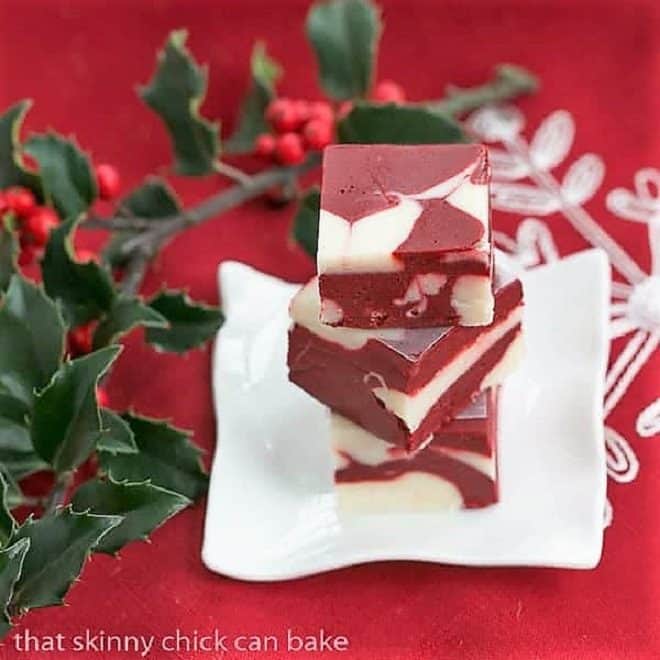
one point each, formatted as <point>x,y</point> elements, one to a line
<point>64,311</point>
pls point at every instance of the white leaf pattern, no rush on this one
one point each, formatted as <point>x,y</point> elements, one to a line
<point>506,166</point>
<point>496,123</point>
<point>635,310</point>
<point>583,179</point>
<point>553,140</point>
<point>648,422</point>
<point>523,198</point>
<point>622,463</point>
<point>627,205</point>
<point>535,236</point>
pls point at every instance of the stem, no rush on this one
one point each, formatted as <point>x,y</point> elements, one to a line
<point>233,173</point>
<point>144,246</point>
<point>57,495</point>
<point>509,82</point>
<point>116,224</point>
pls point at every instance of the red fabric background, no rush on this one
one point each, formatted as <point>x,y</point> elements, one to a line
<point>79,60</point>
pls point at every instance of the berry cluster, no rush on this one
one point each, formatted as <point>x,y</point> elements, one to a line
<point>300,126</point>
<point>34,222</point>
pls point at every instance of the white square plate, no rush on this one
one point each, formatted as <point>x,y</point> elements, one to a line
<point>271,512</point>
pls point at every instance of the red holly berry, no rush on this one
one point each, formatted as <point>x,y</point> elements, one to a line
<point>388,91</point>
<point>264,145</point>
<point>318,134</point>
<point>20,200</point>
<point>108,181</point>
<point>321,110</point>
<point>344,109</point>
<point>80,339</point>
<point>3,203</point>
<point>27,255</point>
<point>283,115</point>
<point>289,149</point>
<point>102,397</point>
<point>39,223</point>
<point>302,111</point>
<point>84,256</point>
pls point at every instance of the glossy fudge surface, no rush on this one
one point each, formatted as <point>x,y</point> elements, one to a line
<point>405,236</point>
<point>402,385</point>
<point>458,468</point>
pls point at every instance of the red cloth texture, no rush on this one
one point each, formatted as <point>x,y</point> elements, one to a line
<point>80,61</point>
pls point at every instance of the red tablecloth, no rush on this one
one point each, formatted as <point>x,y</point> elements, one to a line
<point>80,60</point>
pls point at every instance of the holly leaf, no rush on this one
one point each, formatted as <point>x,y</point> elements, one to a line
<point>117,437</point>
<point>11,567</point>
<point>153,200</point>
<point>60,543</point>
<point>191,324</point>
<point>17,456</point>
<point>143,508</point>
<point>175,93</point>
<point>265,72</point>
<point>8,254</point>
<point>14,494</point>
<point>377,123</point>
<point>66,173</point>
<point>12,169</point>
<point>66,424</point>
<point>85,290</point>
<point>345,34</point>
<point>306,221</point>
<point>31,340</point>
<point>165,457</point>
<point>16,450</point>
<point>7,522</point>
<point>124,315</point>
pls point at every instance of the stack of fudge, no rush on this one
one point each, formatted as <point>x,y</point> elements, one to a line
<point>409,327</point>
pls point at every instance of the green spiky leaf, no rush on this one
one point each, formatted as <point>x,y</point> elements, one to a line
<point>8,254</point>
<point>118,437</point>
<point>191,324</point>
<point>66,173</point>
<point>175,93</point>
<point>84,290</point>
<point>124,315</point>
<point>143,507</point>
<point>306,222</point>
<point>14,494</point>
<point>12,170</point>
<point>31,340</point>
<point>153,200</point>
<point>60,543</point>
<point>165,457</point>
<point>7,522</point>
<point>66,424</point>
<point>345,34</point>
<point>17,455</point>
<point>265,72</point>
<point>377,123</point>
<point>11,567</point>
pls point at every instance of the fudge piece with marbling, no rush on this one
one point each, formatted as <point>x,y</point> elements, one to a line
<point>456,470</point>
<point>405,236</point>
<point>403,384</point>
